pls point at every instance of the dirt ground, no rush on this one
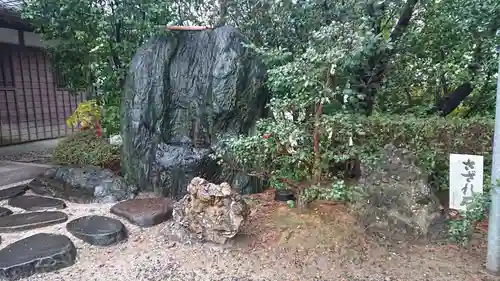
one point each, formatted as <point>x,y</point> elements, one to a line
<point>277,244</point>
<point>326,243</point>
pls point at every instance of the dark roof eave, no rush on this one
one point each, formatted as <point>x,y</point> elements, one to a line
<point>15,18</point>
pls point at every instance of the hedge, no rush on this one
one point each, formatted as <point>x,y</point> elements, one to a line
<point>431,139</point>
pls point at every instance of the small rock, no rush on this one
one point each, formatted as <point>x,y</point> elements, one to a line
<point>97,230</point>
<point>210,212</point>
<point>285,236</point>
<point>38,253</point>
<point>116,140</point>
<point>31,220</point>
<point>36,203</point>
<point>145,212</point>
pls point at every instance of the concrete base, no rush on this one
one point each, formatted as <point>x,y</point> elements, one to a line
<point>30,146</point>
<point>15,173</point>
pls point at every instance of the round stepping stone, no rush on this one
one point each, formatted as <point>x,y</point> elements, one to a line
<point>144,212</point>
<point>35,254</point>
<point>31,220</point>
<point>97,230</point>
<point>36,203</point>
<point>5,212</point>
<point>12,191</point>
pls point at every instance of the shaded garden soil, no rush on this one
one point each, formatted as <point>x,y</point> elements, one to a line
<point>326,242</point>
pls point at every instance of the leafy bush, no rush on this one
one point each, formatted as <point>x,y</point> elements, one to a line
<point>338,191</point>
<point>461,229</point>
<point>430,139</point>
<point>111,119</point>
<point>86,148</point>
<point>86,115</point>
<point>93,115</point>
<point>285,149</point>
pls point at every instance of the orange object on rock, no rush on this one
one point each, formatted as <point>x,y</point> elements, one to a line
<point>98,129</point>
<point>181,27</point>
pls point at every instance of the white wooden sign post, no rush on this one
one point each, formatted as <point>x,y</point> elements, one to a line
<point>466,179</point>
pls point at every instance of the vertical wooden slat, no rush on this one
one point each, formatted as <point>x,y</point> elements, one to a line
<point>37,63</point>
<point>51,124</point>
<point>18,73</point>
<point>23,90</point>
<point>8,93</point>
<point>16,100</point>
<point>27,53</point>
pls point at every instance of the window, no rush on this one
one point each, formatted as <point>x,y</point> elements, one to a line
<point>59,78</point>
<point>6,69</point>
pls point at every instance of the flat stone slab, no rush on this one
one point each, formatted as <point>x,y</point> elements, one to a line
<point>5,212</point>
<point>36,254</point>
<point>31,220</point>
<point>145,212</point>
<point>97,230</point>
<point>12,191</point>
<point>36,203</point>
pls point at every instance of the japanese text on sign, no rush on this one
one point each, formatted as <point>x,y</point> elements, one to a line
<point>466,179</point>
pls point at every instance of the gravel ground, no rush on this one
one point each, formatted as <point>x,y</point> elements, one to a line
<point>277,244</point>
<point>40,156</point>
<point>147,255</point>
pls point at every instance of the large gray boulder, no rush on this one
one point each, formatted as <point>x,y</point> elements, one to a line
<point>185,91</point>
<point>399,203</point>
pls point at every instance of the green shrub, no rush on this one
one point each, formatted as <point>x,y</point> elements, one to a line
<point>432,140</point>
<point>86,148</point>
<point>284,149</point>
<point>460,230</point>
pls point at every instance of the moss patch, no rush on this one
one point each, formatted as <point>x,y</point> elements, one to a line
<point>86,148</point>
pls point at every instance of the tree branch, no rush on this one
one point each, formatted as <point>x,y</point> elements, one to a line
<point>404,20</point>
<point>378,65</point>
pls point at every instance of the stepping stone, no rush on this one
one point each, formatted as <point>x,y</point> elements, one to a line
<point>31,220</point>
<point>36,203</point>
<point>35,254</point>
<point>12,191</point>
<point>5,212</point>
<point>144,212</point>
<point>97,230</point>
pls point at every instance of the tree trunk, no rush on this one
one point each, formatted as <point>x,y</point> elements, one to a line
<point>378,63</point>
<point>451,101</point>
<point>317,155</point>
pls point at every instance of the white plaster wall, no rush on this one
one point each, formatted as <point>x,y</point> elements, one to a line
<point>35,40</point>
<point>10,36</point>
<point>32,39</point>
